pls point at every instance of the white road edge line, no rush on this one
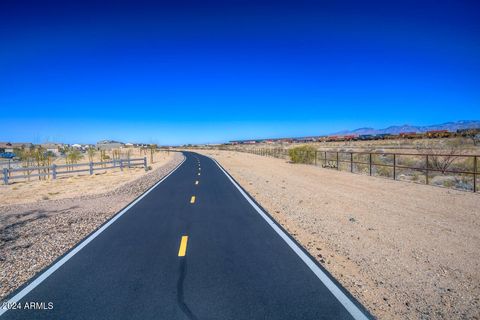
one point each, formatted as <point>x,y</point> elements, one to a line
<point>67,257</point>
<point>354,311</point>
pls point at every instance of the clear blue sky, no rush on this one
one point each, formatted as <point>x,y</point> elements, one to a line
<point>207,71</point>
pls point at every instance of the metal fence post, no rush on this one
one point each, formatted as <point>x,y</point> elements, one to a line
<point>370,164</point>
<point>475,168</point>
<point>90,165</point>
<point>121,164</point>
<point>54,171</point>
<point>338,163</point>
<point>145,163</point>
<point>5,175</point>
<point>426,169</point>
<point>315,157</point>
<point>394,166</point>
<point>351,161</point>
<point>325,159</point>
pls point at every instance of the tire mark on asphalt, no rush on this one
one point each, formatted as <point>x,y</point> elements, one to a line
<point>180,296</point>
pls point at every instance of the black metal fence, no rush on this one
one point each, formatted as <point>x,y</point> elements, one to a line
<point>458,171</point>
<point>54,170</point>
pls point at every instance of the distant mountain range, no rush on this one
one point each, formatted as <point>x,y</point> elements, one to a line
<point>450,126</point>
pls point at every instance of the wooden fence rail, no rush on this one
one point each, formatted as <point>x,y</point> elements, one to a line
<point>54,170</point>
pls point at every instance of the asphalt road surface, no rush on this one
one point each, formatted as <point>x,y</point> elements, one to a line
<point>194,247</point>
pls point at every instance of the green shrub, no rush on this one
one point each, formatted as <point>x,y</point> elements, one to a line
<point>303,154</point>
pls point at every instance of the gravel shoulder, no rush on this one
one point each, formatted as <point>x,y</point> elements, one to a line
<point>34,234</point>
<point>404,250</point>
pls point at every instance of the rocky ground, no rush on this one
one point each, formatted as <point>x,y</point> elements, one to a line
<point>34,234</point>
<point>406,251</point>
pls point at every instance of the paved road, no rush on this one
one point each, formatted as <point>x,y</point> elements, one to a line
<point>192,248</point>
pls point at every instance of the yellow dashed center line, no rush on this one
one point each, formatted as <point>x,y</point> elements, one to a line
<point>192,200</point>
<point>183,246</point>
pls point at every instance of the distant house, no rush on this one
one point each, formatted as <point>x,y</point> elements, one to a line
<point>129,145</point>
<point>52,147</point>
<point>11,146</point>
<point>141,145</point>
<point>76,146</point>
<point>109,145</point>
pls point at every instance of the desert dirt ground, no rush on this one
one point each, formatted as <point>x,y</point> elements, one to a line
<point>71,185</point>
<point>34,233</point>
<point>404,250</point>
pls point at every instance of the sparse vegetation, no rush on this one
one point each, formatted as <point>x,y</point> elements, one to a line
<point>446,157</point>
<point>72,156</point>
<point>153,149</point>
<point>91,153</point>
<point>443,159</point>
<point>302,154</point>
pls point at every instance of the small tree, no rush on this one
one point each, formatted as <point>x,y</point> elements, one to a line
<point>40,155</point>
<point>104,157</point>
<point>73,156</point>
<point>153,148</point>
<point>91,153</point>
<point>443,159</point>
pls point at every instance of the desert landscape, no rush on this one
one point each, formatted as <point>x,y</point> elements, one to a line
<point>40,220</point>
<point>310,160</point>
<point>70,185</point>
<point>404,250</point>
<point>448,162</point>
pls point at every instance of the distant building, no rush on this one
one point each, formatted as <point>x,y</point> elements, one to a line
<point>141,145</point>
<point>109,145</point>
<point>52,147</point>
<point>129,145</point>
<point>10,146</point>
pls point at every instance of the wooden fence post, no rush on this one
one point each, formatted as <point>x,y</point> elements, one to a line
<point>54,171</point>
<point>5,175</point>
<point>145,163</point>
<point>121,164</point>
<point>90,165</point>
<point>338,163</point>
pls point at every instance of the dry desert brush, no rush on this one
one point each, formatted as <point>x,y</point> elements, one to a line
<point>302,154</point>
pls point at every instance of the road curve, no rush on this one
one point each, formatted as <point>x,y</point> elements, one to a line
<point>194,247</point>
